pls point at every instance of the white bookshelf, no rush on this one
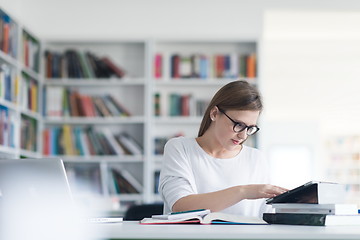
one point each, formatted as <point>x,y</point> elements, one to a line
<point>130,91</point>
<point>23,48</point>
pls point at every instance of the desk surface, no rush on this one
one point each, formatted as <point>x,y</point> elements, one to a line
<point>133,230</point>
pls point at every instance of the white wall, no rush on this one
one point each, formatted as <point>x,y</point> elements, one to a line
<point>154,18</point>
<point>312,68</point>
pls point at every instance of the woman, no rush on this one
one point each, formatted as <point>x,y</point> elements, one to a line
<point>215,170</point>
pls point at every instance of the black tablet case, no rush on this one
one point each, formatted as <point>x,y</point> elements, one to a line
<point>306,193</point>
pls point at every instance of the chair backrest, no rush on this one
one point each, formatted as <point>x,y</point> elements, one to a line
<point>138,212</point>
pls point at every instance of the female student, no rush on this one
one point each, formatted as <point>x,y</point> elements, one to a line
<point>216,170</point>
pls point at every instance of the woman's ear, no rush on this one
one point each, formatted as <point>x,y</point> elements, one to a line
<point>213,113</point>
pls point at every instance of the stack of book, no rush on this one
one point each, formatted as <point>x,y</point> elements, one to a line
<point>315,204</point>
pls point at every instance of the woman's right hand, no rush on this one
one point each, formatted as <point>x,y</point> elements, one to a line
<point>255,191</point>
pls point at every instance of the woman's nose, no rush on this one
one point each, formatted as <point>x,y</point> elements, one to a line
<point>242,134</point>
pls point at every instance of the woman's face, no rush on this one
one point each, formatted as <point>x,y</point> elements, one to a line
<point>224,132</point>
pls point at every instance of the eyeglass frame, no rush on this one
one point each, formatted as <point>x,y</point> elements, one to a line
<point>239,123</point>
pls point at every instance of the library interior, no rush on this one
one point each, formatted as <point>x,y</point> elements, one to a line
<point>104,85</point>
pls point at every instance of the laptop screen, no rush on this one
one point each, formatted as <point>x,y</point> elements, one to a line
<point>35,197</point>
<point>34,179</point>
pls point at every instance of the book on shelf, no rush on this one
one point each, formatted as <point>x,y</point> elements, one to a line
<point>31,51</point>
<point>202,217</point>
<point>157,104</point>
<point>181,104</point>
<point>129,144</point>
<point>175,66</point>
<point>29,93</point>
<point>8,127</point>
<point>75,64</point>
<point>78,141</point>
<point>53,101</point>
<point>251,66</point>
<point>119,72</point>
<point>68,141</point>
<point>112,142</point>
<point>185,67</point>
<point>311,219</point>
<point>158,62</point>
<point>159,144</point>
<point>332,209</point>
<point>105,143</point>
<point>156,181</point>
<point>100,106</point>
<point>28,133</point>
<point>197,65</point>
<point>123,111</point>
<point>7,83</point>
<point>122,181</point>
<point>312,192</point>
<point>8,36</point>
<point>70,102</point>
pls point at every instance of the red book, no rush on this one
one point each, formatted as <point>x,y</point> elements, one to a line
<point>6,32</point>
<point>74,108</point>
<point>221,66</point>
<point>185,105</point>
<point>46,147</point>
<point>91,106</point>
<point>84,106</point>
<point>116,69</point>
<point>158,66</point>
<point>175,66</point>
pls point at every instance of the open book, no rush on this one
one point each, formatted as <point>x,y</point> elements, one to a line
<point>210,218</point>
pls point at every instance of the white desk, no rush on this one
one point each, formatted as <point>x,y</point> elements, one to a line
<point>133,230</point>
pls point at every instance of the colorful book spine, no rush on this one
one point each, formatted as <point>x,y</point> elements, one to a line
<point>201,66</point>
<point>78,141</point>
<point>69,102</point>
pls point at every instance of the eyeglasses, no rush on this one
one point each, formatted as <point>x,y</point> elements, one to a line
<point>240,126</point>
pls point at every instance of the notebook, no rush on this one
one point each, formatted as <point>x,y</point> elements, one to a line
<point>28,182</point>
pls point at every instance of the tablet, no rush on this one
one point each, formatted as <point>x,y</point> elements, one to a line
<point>306,193</point>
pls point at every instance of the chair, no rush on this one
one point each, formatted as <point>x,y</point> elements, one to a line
<point>138,212</point>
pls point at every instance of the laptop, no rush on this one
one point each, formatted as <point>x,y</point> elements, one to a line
<point>27,183</point>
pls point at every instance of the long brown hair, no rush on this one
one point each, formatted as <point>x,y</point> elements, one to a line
<point>236,95</point>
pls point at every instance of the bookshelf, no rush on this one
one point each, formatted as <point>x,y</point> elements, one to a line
<point>20,82</point>
<point>97,113</point>
<point>343,163</point>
